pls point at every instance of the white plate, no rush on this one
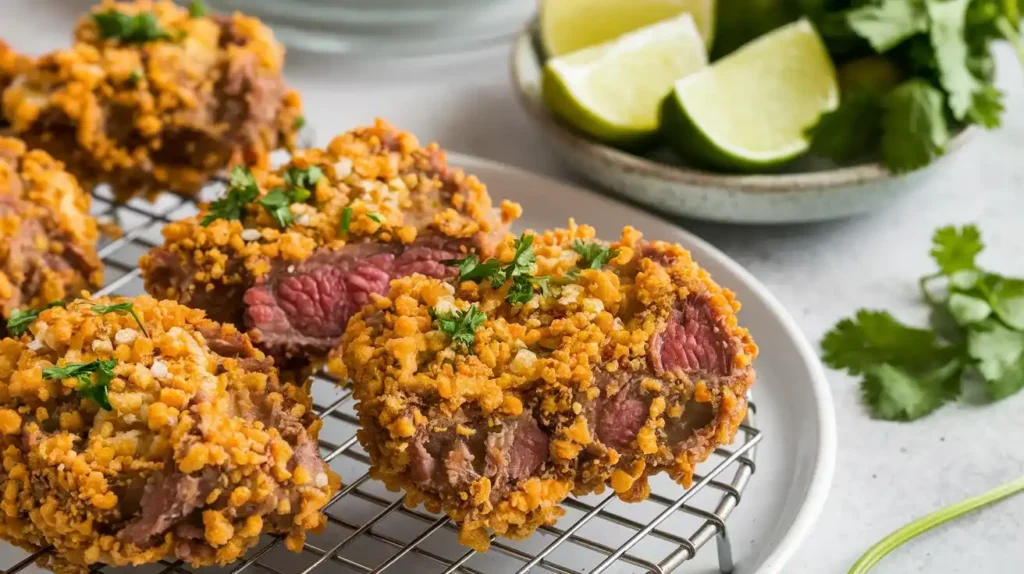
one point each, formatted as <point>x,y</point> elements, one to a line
<point>794,460</point>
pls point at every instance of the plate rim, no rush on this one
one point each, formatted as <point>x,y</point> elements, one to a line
<point>759,183</point>
<point>824,468</point>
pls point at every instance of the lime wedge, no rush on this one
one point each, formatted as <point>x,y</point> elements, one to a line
<point>750,110</point>
<point>570,25</point>
<point>612,91</point>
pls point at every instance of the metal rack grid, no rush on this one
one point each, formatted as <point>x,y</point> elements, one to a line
<point>359,536</point>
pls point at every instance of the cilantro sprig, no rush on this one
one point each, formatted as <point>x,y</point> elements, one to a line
<point>197,9</point>
<point>22,318</point>
<point>242,190</point>
<point>912,72</point>
<point>593,254</point>
<point>125,307</point>
<point>976,337</point>
<point>460,326</point>
<point>519,271</point>
<point>130,29</point>
<point>95,389</point>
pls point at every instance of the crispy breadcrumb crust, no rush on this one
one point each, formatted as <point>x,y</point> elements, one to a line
<point>116,112</point>
<point>42,206</point>
<point>64,457</point>
<point>373,173</point>
<point>541,356</point>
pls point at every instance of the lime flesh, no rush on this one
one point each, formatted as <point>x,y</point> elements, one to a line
<point>570,25</point>
<point>750,111</point>
<point>612,91</point>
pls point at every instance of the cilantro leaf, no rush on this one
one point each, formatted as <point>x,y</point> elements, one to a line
<point>851,131</point>
<point>460,326</point>
<point>888,23</point>
<point>197,9</point>
<point>914,130</point>
<point>956,250</point>
<point>125,307</point>
<point>967,310</point>
<point>376,217</point>
<point>947,37</point>
<point>277,203</point>
<point>898,394</point>
<point>346,220</point>
<point>521,290</point>
<point>987,107</point>
<point>523,260</point>
<point>875,337</point>
<point>21,319</point>
<point>140,28</point>
<point>1000,355</point>
<point>593,254</point>
<point>98,390</point>
<point>299,123</point>
<point>136,76</point>
<point>242,190</point>
<point>303,178</point>
<point>1007,299</point>
<point>471,269</point>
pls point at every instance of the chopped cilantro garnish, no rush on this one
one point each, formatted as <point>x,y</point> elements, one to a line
<point>471,269</point>
<point>98,390</point>
<point>142,27</point>
<point>241,191</point>
<point>125,307</point>
<point>977,336</point>
<point>376,217</point>
<point>299,123</point>
<point>136,76</point>
<point>21,319</point>
<point>278,205</point>
<point>346,220</point>
<point>594,255</point>
<point>197,9</point>
<point>518,271</point>
<point>303,178</point>
<point>460,326</point>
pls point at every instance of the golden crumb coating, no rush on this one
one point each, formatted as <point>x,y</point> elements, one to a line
<point>47,237</point>
<point>606,375</point>
<point>163,112</point>
<point>202,448</point>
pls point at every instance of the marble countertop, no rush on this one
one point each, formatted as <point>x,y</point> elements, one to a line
<point>887,474</point>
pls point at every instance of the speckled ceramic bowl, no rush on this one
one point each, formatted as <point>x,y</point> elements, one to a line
<point>809,191</point>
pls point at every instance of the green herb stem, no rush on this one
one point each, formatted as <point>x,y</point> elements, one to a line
<point>893,541</point>
<point>1012,36</point>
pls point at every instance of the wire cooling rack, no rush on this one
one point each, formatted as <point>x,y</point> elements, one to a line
<point>370,530</point>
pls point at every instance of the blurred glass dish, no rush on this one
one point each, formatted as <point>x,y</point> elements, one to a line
<point>387,27</point>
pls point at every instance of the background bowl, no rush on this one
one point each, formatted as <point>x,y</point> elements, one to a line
<point>810,190</point>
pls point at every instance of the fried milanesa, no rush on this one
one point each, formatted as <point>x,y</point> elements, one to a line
<point>11,64</point>
<point>47,237</point>
<point>157,107</point>
<point>616,373</point>
<point>379,206</point>
<point>127,446</point>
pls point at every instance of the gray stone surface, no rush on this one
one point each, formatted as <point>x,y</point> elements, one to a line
<point>887,474</point>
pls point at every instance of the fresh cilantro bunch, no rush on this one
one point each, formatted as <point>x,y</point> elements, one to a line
<point>976,339</point>
<point>912,72</point>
